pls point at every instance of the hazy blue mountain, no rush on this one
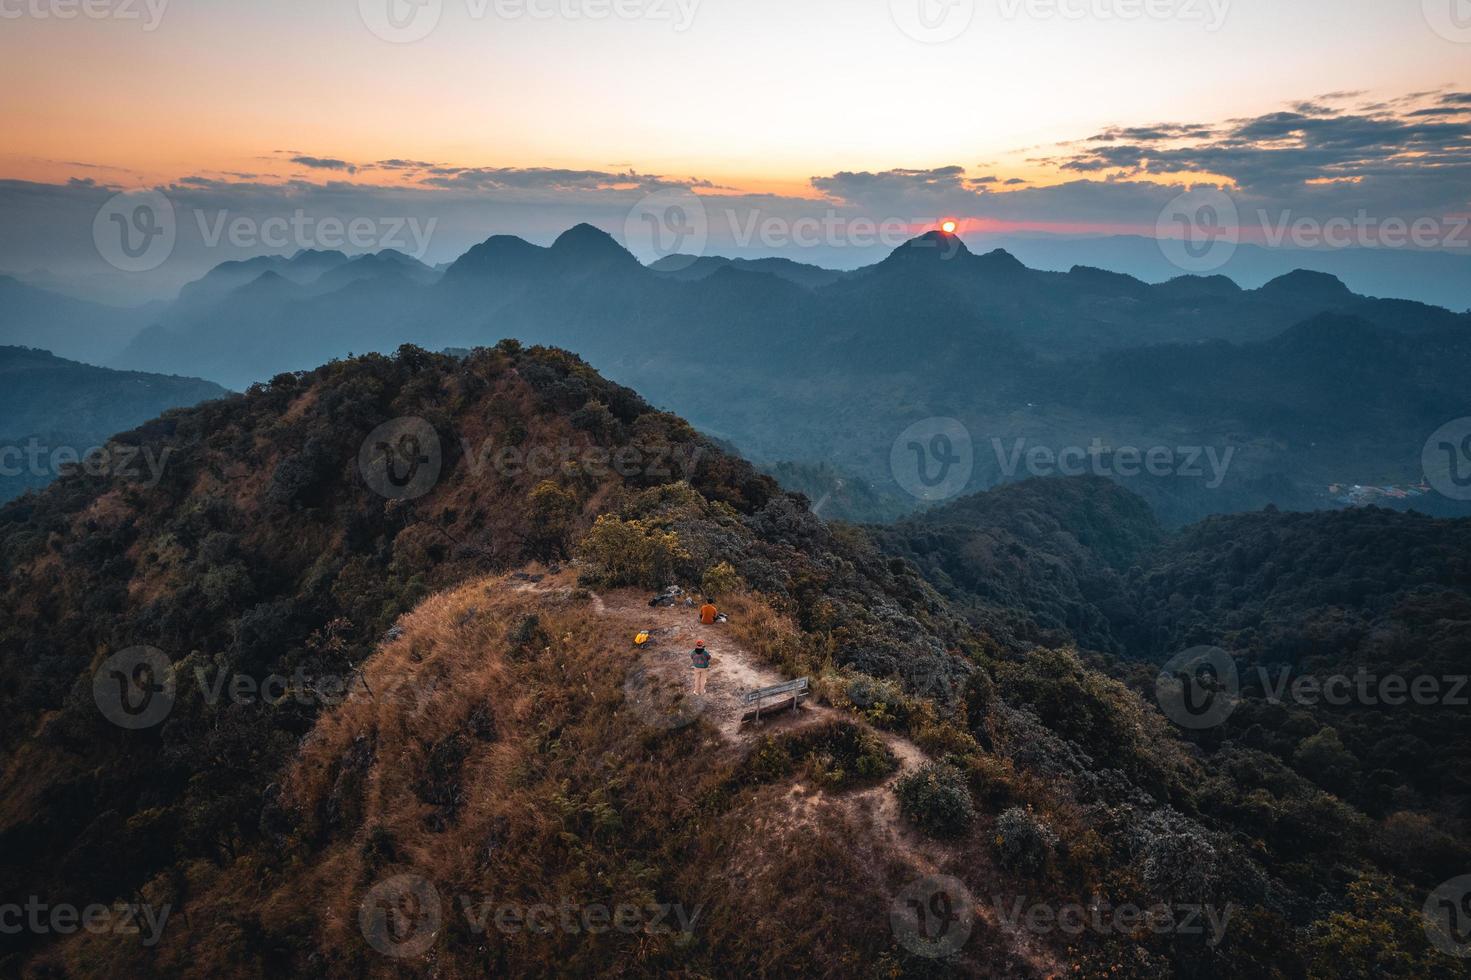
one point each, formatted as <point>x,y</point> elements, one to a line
<point>213,327</point>
<point>1439,278</point>
<point>833,373</point>
<point>53,411</point>
<point>33,317</point>
<point>691,268</point>
<point>303,267</point>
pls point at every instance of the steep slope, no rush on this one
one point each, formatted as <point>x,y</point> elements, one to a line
<point>383,729</point>
<point>1329,623</point>
<point>1053,556</point>
<point>264,551</point>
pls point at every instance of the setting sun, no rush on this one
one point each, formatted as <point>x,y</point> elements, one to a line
<point>948,227</point>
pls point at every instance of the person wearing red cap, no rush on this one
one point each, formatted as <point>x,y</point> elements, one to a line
<point>700,661</point>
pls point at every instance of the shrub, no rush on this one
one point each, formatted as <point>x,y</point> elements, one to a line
<point>882,702</point>
<point>596,418</point>
<point>935,797</point>
<point>1380,934</point>
<point>995,780</point>
<point>631,553</point>
<point>1025,841</point>
<point>1323,759</point>
<point>721,580</point>
<point>836,755</point>
<point>526,633</point>
<point>552,510</point>
<point>945,738</point>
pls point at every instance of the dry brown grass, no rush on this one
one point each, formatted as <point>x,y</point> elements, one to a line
<point>770,634</point>
<point>573,797</point>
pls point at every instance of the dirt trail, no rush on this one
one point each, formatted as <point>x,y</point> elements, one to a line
<point>734,670</point>
<point>660,680</point>
<point>665,664</point>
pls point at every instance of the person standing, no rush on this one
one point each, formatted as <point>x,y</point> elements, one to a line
<point>700,661</point>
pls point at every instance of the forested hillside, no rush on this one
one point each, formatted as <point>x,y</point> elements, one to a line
<point>506,743</point>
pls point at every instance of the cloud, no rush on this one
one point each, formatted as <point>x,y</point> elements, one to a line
<point>901,192</point>
<point>1328,156</point>
<point>403,165</point>
<point>1401,154</point>
<point>1145,134</point>
<point>536,178</point>
<point>325,163</point>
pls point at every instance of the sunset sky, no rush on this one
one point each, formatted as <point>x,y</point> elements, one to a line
<point>1042,114</point>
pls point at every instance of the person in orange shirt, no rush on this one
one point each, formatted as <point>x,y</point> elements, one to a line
<point>708,612</point>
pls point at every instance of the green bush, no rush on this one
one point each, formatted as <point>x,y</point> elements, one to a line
<point>630,553</point>
<point>836,756</point>
<point>553,511</point>
<point>935,797</point>
<point>1025,841</point>
<point>720,580</point>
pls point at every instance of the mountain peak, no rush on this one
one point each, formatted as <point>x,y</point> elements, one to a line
<point>584,241</point>
<point>1001,259</point>
<point>930,245</point>
<point>312,257</point>
<point>498,254</point>
<point>1307,285</point>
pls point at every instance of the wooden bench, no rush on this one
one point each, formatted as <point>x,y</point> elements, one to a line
<point>791,693</point>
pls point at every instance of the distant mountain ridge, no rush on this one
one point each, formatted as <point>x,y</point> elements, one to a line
<point>794,363</point>
<point>597,294</point>
<point>35,317</point>
<point>53,411</point>
<point>1439,278</point>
